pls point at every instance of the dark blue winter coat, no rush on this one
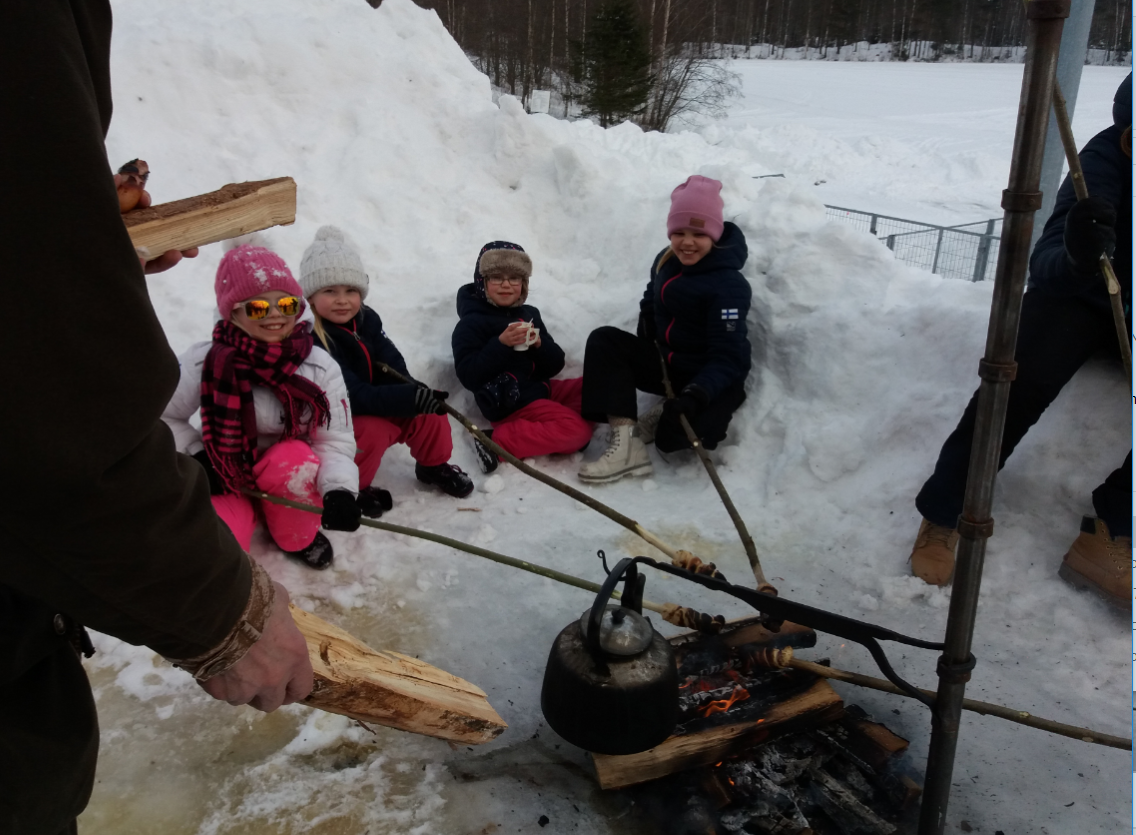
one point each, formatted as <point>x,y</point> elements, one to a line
<point>358,346</point>
<point>699,312</point>
<point>1108,174</point>
<point>502,380</point>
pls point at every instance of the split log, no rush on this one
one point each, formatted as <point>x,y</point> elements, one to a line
<point>816,705</point>
<point>236,209</point>
<point>392,689</point>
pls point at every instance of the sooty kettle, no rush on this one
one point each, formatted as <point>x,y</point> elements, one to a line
<point>611,684</point>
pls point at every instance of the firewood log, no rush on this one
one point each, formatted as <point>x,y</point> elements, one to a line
<point>236,209</point>
<point>392,689</point>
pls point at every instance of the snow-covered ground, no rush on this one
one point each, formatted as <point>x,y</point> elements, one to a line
<point>862,366</point>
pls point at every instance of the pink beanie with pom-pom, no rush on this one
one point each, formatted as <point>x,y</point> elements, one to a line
<point>249,271</point>
<point>697,205</point>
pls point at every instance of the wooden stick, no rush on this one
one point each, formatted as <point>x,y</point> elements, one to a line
<point>1021,717</point>
<point>392,689</point>
<point>1077,175</point>
<point>544,478</point>
<point>235,209</point>
<point>763,585</point>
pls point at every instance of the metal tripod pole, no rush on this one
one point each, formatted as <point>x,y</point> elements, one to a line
<point>997,368</point>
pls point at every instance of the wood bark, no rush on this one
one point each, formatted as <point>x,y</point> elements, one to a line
<point>236,209</point>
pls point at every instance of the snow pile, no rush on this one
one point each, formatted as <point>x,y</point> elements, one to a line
<point>861,368</point>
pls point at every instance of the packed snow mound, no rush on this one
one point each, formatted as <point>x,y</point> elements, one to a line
<point>861,368</point>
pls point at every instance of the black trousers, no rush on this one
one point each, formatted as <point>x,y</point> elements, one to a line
<point>616,363</point>
<point>1055,338</point>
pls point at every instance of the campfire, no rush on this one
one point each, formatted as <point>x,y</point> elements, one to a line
<point>763,749</point>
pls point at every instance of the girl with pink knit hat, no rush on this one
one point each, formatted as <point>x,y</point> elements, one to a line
<point>274,414</point>
<point>693,318</point>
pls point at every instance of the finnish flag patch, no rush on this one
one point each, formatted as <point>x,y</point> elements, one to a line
<point>730,313</point>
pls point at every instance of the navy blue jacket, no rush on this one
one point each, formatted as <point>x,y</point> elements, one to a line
<point>358,346</point>
<point>1108,174</point>
<point>699,314</point>
<point>490,369</point>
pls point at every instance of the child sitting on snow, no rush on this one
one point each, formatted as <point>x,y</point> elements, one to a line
<point>274,414</point>
<point>385,409</point>
<point>505,355</point>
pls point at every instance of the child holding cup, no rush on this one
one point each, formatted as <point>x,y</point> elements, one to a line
<point>505,355</point>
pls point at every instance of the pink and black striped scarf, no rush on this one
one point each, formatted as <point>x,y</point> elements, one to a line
<point>236,363</point>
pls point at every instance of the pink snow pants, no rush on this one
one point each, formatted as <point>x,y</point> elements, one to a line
<point>428,437</point>
<point>286,469</point>
<point>546,427</point>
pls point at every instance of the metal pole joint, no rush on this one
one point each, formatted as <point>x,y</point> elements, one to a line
<point>956,673</point>
<point>997,372</point>
<point>1021,201</point>
<point>975,529</point>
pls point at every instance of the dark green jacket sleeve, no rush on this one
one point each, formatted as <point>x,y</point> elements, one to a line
<point>101,518</point>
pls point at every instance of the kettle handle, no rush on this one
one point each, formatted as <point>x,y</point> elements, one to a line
<point>632,598</point>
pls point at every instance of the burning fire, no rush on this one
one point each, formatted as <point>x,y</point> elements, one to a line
<point>740,694</point>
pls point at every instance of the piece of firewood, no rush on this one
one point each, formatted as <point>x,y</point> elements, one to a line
<point>815,706</point>
<point>235,209</point>
<point>392,689</point>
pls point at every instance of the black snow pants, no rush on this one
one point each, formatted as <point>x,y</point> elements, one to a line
<point>616,363</point>
<point>1056,336</point>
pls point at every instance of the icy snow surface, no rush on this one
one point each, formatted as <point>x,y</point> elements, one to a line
<point>861,368</point>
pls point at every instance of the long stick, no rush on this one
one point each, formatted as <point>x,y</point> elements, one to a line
<point>1077,175</point>
<point>763,585</point>
<point>544,478</point>
<point>1021,717</point>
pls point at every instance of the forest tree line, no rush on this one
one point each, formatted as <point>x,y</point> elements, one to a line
<point>524,45</point>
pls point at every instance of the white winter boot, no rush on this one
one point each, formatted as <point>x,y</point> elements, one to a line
<point>625,455</point>
<point>649,422</point>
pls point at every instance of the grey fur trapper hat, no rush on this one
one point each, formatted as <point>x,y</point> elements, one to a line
<point>502,257</point>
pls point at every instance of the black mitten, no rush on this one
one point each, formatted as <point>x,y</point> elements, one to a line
<point>216,485</point>
<point>340,512</point>
<point>428,401</point>
<point>690,402</point>
<point>1090,231</point>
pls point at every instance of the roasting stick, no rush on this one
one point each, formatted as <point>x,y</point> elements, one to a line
<point>683,559</point>
<point>763,585</point>
<point>1077,175</point>
<point>671,612</point>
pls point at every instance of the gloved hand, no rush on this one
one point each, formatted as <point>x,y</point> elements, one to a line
<point>340,512</point>
<point>428,401</point>
<point>1090,231</point>
<point>690,402</point>
<point>216,485</point>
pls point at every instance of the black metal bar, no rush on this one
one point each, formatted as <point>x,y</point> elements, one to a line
<point>1020,200</point>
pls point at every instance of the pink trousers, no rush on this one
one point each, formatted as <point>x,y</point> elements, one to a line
<point>428,437</point>
<point>287,469</point>
<point>546,427</point>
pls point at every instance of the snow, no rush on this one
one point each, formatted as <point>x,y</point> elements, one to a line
<point>862,367</point>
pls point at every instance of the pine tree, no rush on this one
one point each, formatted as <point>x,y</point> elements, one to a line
<point>615,64</point>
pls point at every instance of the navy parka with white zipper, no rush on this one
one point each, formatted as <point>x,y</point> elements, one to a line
<point>699,314</point>
<point>359,346</point>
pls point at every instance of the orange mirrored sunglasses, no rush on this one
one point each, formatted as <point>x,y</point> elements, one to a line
<point>259,308</point>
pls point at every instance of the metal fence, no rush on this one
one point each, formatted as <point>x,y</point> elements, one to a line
<point>968,251</point>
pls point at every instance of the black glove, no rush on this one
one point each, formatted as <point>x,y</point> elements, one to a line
<point>690,402</point>
<point>428,401</point>
<point>340,512</point>
<point>216,485</point>
<point>1090,231</point>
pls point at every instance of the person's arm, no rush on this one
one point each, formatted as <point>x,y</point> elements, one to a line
<point>727,343</point>
<point>477,361</point>
<point>548,359</point>
<point>109,523</point>
<point>186,401</point>
<point>334,444</point>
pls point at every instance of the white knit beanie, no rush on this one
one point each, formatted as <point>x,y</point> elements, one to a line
<point>330,260</point>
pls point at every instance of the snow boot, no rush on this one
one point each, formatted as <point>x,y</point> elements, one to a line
<point>625,455</point>
<point>374,501</point>
<point>447,478</point>
<point>649,422</point>
<point>933,557</point>
<point>486,458</point>
<point>1101,563</point>
<point>318,555</point>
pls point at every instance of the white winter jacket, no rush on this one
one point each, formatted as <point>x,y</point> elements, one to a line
<point>333,445</point>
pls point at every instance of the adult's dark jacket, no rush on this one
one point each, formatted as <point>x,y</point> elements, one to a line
<point>1108,174</point>
<point>698,314</point>
<point>102,520</point>
<point>359,346</point>
<point>488,368</point>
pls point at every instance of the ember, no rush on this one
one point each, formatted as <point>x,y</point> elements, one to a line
<point>722,705</point>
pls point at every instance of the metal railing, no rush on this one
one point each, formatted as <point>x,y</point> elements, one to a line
<point>968,251</point>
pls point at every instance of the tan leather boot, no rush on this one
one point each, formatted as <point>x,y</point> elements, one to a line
<point>933,557</point>
<point>1100,562</point>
